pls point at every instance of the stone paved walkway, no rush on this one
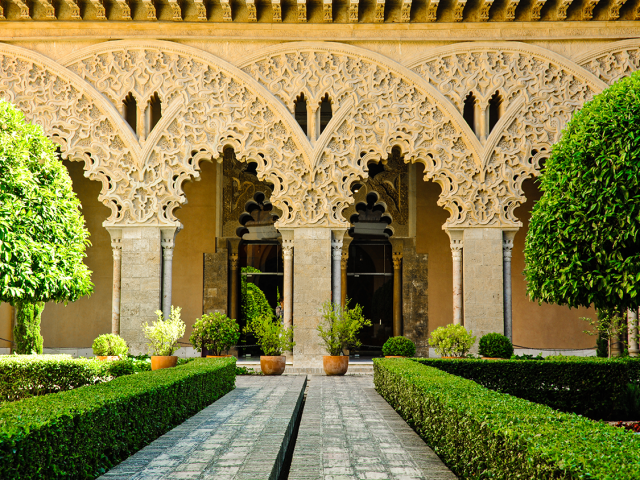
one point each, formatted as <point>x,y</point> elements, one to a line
<point>349,432</point>
<point>242,436</point>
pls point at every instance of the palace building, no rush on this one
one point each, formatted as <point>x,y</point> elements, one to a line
<point>384,151</point>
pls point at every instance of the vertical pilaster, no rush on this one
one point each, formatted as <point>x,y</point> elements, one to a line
<point>456,237</point>
<point>397,293</point>
<point>312,278</point>
<point>116,248</point>
<point>167,242</point>
<point>507,247</point>
<point>482,280</point>
<point>632,322</point>
<point>336,269</point>
<point>287,280</point>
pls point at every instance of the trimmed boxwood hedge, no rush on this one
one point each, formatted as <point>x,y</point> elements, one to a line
<point>480,433</point>
<point>594,387</point>
<point>83,432</point>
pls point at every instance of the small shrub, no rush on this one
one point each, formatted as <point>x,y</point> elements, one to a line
<point>271,335</point>
<point>495,345</point>
<point>164,334</point>
<point>215,332</point>
<point>399,346</point>
<point>110,345</point>
<point>452,340</point>
<point>339,327</point>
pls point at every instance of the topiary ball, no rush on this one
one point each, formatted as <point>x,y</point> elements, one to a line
<point>495,345</point>
<point>110,345</point>
<point>399,346</point>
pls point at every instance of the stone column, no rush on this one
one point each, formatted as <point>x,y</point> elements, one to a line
<point>287,280</point>
<point>344,261</point>
<point>312,279</point>
<point>233,297</point>
<point>507,247</point>
<point>456,252</point>
<point>632,321</point>
<point>168,235</point>
<point>482,281</point>
<point>116,247</point>
<point>336,262</point>
<point>397,294</point>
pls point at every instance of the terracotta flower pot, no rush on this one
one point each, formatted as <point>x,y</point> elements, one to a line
<point>335,365</point>
<point>158,363</point>
<point>107,358</point>
<point>273,365</point>
<point>394,356</point>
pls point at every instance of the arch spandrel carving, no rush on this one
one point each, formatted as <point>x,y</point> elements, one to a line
<point>75,116</point>
<point>612,62</point>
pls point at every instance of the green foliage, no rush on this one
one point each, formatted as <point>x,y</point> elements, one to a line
<point>84,432</point>
<point>609,325</point>
<point>247,371</point>
<point>27,330</point>
<point>216,332</point>
<point>589,386</point>
<point>110,345</point>
<point>271,335</point>
<point>482,434</point>
<point>399,346</point>
<point>495,345</point>
<point>253,303</point>
<point>163,335</point>
<point>42,233</point>
<point>583,243</point>
<point>339,326</point>
<point>23,376</point>
<point>452,340</point>
<point>602,345</point>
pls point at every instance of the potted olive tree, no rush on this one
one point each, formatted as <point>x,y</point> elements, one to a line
<point>163,336</point>
<point>339,330</point>
<point>452,341</point>
<point>274,339</point>
<point>109,347</point>
<point>398,347</point>
<point>216,332</point>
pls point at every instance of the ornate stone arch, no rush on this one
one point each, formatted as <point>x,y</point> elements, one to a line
<point>541,90</point>
<point>380,104</point>
<point>209,105</point>
<point>76,116</point>
<point>613,61</point>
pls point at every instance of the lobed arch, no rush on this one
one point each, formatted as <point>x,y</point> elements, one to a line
<point>75,116</point>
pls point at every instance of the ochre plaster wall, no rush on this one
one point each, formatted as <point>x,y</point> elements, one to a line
<point>196,238</point>
<point>432,240</point>
<point>5,324</point>
<point>77,324</point>
<point>542,326</point>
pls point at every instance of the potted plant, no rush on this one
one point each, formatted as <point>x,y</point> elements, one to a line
<point>339,329</point>
<point>398,347</point>
<point>452,341</point>
<point>216,332</point>
<point>163,336</point>
<point>274,339</point>
<point>495,346</point>
<point>109,347</point>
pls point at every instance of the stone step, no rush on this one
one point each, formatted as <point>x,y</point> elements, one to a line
<point>242,436</point>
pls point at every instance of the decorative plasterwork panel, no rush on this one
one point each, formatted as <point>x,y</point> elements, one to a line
<point>611,63</point>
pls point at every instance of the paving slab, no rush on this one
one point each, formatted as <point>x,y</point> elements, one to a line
<point>349,432</point>
<point>242,436</point>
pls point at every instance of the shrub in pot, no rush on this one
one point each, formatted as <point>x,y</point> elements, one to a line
<point>274,339</point>
<point>495,345</point>
<point>110,347</point>
<point>163,336</point>
<point>399,347</point>
<point>216,332</point>
<point>452,341</point>
<point>339,330</point>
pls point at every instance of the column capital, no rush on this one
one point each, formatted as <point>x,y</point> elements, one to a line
<point>233,258</point>
<point>344,260</point>
<point>397,260</point>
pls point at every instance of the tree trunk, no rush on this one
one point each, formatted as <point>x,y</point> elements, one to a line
<point>26,333</point>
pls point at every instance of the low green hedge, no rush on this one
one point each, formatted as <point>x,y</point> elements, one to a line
<point>595,387</point>
<point>480,433</point>
<point>23,376</point>
<point>83,432</point>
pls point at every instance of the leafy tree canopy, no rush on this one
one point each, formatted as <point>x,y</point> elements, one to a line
<point>583,243</point>
<point>42,233</point>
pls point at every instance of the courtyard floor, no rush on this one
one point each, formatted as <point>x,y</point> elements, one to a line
<point>346,432</point>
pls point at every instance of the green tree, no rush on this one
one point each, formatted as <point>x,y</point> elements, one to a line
<point>42,233</point>
<point>253,302</point>
<point>583,243</point>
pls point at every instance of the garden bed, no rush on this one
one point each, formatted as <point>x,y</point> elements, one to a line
<point>480,433</point>
<point>83,432</point>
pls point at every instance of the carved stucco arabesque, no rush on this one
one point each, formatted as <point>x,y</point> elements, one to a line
<point>377,104</point>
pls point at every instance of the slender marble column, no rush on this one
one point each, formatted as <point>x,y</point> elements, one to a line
<point>632,321</point>
<point>397,294</point>
<point>287,287</point>
<point>167,271</point>
<point>116,248</point>
<point>507,247</point>
<point>336,270</point>
<point>233,308</point>
<point>343,274</point>
<point>456,252</point>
